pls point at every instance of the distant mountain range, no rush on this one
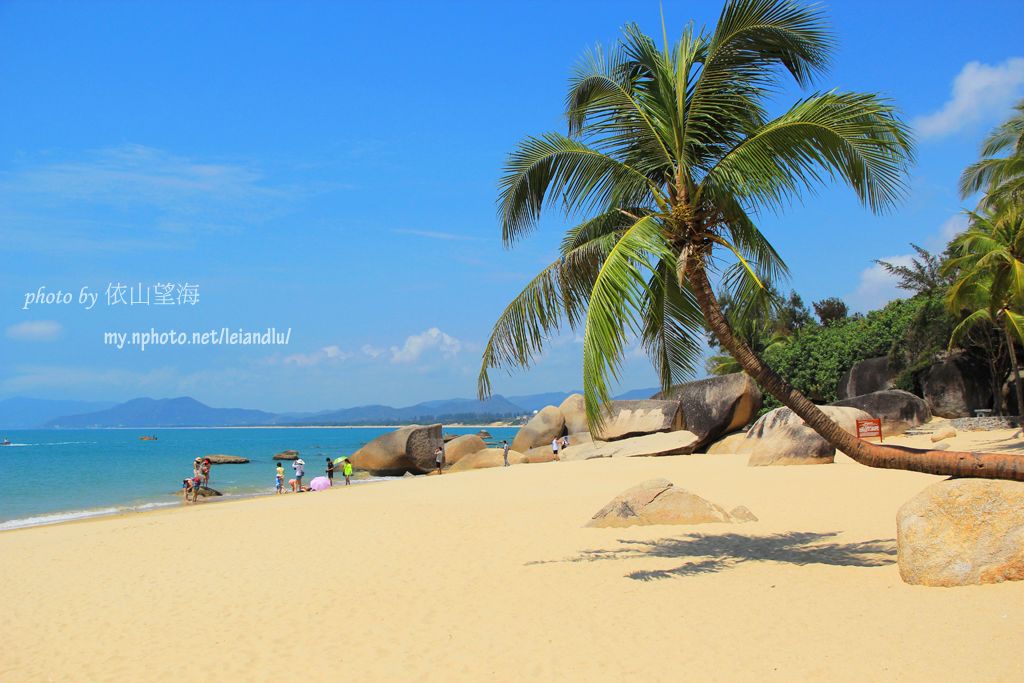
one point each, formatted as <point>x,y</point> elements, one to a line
<point>29,413</point>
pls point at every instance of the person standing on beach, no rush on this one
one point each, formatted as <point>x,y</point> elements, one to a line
<point>504,451</point>
<point>554,447</point>
<point>204,469</point>
<point>439,458</point>
<point>565,442</point>
<point>300,470</point>
<point>330,470</point>
<point>197,478</point>
<point>346,467</point>
<point>279,477</point>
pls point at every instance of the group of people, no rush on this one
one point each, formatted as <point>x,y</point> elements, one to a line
<point>200,479</point>
<point>558,443</point>
<point>299,465</point>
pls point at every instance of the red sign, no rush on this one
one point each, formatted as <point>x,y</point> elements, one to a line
<point>867,429</point>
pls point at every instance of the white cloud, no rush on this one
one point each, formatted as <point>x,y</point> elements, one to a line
<point>980,92</point>
<point>35,330</point>
<point>332,353</point>
<point>372,351</point>
<point>950,229</point>
<point>417,344</point>
<point>877,287</point>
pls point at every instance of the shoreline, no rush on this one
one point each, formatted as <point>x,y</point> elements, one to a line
<point>50,519</point>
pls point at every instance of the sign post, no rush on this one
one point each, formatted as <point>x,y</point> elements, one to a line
<point>867,429</point>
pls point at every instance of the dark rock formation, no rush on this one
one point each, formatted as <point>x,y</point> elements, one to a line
<point>865,377</point>
<point>717,405</point>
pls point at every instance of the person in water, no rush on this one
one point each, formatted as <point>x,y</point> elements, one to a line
<point>346,468</point>
<point>279,478</point>
<point>330,470</point>
<point>204,469</point>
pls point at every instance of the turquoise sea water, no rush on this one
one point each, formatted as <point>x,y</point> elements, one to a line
<point>55,475</point>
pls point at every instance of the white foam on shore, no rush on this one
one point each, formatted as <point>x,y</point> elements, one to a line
<point>58,517</point>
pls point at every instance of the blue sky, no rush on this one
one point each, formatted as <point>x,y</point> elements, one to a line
<point>332,168</point>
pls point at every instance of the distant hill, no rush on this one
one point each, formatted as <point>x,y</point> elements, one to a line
<point>32,413</point>
<point>462,409</point>
<point>637,394</point>
<point>188,412</point>
<point>163,412</point>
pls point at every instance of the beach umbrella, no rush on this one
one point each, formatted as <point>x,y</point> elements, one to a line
<point>320,483</point>
<point>337,461</point>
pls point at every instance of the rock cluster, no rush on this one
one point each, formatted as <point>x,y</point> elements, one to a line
<point>657,501</point>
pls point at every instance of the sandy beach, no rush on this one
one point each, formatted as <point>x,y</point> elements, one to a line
<point>491,575</point>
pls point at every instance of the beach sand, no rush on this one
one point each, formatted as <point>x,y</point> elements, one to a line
<point>491,575</point>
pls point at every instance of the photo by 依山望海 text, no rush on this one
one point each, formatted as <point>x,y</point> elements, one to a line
<point>118,294</point>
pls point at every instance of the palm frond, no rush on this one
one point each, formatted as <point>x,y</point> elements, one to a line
<point>855,137</point>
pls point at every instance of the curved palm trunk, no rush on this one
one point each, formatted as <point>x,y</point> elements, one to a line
<point>956,464</point>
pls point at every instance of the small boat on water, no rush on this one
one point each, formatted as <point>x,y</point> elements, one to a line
<point>147,438</point>
<point>5,442</point>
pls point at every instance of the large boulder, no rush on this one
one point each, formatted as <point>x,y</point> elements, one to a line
<point>541,429</point>
<point>957,387</point>
<point>899,410</point>
<point>221,459</point>
<point>962,531</point>
<point>730,443</point>
<point>489,457</point>
<point>462,446</point>
<point>717,405</point>
<point>780,437</point>
<point>663,443</point>
<point>865,377</point>
<point>625,419</point>
<point>407,449</point>
<point>657,501</point>
<point>574,410</point>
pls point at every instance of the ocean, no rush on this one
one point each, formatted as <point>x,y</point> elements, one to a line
<point>58,475</point>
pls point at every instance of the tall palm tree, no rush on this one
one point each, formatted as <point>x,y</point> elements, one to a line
<point>667,155</point>
<point>1002,178</point>
<point>989,260</point>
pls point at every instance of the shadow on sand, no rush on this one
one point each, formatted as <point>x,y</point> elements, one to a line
<point>724,551</point>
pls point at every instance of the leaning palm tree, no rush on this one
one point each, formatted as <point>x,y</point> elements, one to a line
<point>1001,177</point>
<point>989,289</point>
<point>669,153</point>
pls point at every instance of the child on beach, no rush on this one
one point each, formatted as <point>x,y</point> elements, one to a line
<point>347,469</point>
<point>279,478</point>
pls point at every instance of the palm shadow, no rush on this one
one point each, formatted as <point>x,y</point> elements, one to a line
<point>719,552</point>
